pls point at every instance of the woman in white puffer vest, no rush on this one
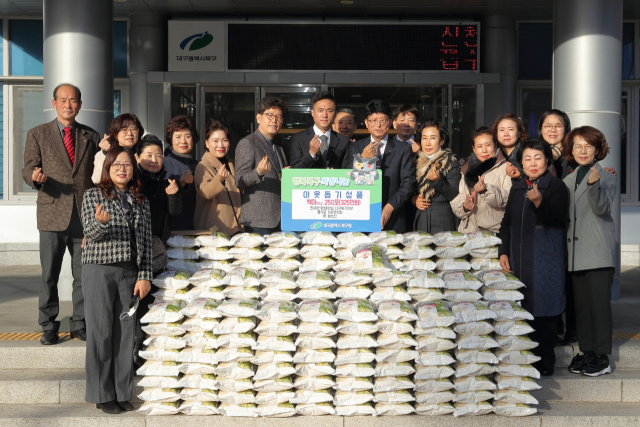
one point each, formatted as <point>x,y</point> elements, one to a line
<point>484,187</point>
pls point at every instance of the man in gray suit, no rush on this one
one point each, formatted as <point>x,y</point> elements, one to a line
<point>58,162</point>
<point>259,163</point>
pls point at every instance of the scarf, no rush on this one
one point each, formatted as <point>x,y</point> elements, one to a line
<point>126,200</point>
<point>151,176</point>
<point>443,161</point>
<point>474,168</point>
<point>185,159</point>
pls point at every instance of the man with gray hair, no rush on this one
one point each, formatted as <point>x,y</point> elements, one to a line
<point>58,162</point>
<point>345,123</point>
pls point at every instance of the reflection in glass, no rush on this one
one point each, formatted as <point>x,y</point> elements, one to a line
<point>534,102</point>
<point>236,110</point>
<point>27,114</point>
<point>463,120</point>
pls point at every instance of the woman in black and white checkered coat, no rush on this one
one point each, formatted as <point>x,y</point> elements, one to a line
<point>116,266</point>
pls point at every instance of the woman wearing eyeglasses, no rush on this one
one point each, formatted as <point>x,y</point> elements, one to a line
<point>116,266</point>
<point>125,131</point>
<point>510,132</point>
<point>552,128</point>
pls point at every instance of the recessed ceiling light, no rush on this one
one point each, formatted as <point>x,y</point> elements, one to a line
<point>346,2</point>
<point>356,96</point>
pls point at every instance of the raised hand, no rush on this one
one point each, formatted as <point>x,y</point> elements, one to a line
<point>480,186</point>
<point>38,176</point>
<point>105,145</point>
<point>186,178</point>
<point>433,174</point>
<point>512,171</point>
<point>594,176</point>
<point>469,203</point>
<point>142,288</point>
<point>415,147</point>
<point>264,166</point>
<point>223,173</point>
<point>102,216</point>
<point>370,150</point>
<point>314,145</point>
<point>504,263</point>
<point>534,195</point>
<point>172,188</point>
<point>613,172</point>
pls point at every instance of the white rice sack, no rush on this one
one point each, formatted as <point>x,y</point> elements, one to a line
<point>317,251</point>
<point>433,314</point>
<point>246,253</point>
<point>210,292</point>
<point>202,309</point>
<point>397,396</point>
<point>214,254</point>
<point>208,381</point>
<point>348,398</point>
<point>168,329</point>
<point>159,408</point>
<point>317,311</point>
<point>356,328</point>
<point>352,383</point>
<point>392,252</point>
<point>164,312</point>
<point>190,265</point>
<point>509,310</point>
<point>397,369</point>
<point>344,254</point>
<point>198,355</point>
<point>281,410</point>
<point>313,342</point>
<point>452,264</point>
<point>522,357</point>
<point>396,341</point>
<point>277,312</point>
<point>476,342</point>
<point>512,327</point>
<point>172,279</point>
<point>355,410</point>
<point>312,396</point>
<point>485,253</point>
<point>317,264</point>
<point>278,279</point>
<point>438,331</point>
<point>247,240</point>
<point>205,340</point>
<point>518,370</point>
<point>160,395</point>
<point>515,343</point>
<point>396,311</point>
<point>473,396</point>
<point>474,383</point>
<point>238,308</point>
<point>317,329</point>
<point>384,384</point>
<point>274,384</point>
<point>355,370</point>
<point>473,369</point>
<point>449,252</point>
<point>315,409</point>
<point>265,357</point>
<point>276,329</point>
<point>242,410</point>
<point>396,264</point>
<point>474,328</point>
<point>433,410</point>
<point>282,239</point>
<point>417,238</point>
<point>425,295</point>
<point>513,409</point>
<point>323,382</point>
<point>462,295</point>
<point>166,342</point>
<point>425,279</point>
<point>278,370</point>
<point>476,356</point>
<point>356,310</point>
<point>433,386</point>
<point>392,409</point>
<point>284,343</point>
<point>485,264</point>
<point>351,239</point>
<point>390,278</point>
<point>394,328</point>
<point>271,295</point>
<point>162,382</point>
<point>197,368</point>
<point>501,295</point>
<point>419,264</point>
<point>481,239</point>
<point>355,341</point>
<point>387,237</point>
<point>516,383</point>
<point>241,292</point>
<point>228,354</point>
<point>252,264</point>
<point>200,325</point>
<point>500,279</point>
<point>417,252</point>
<point>435,358</point>
<point>229,387</point>
<point>247,339</point>
<point>289,264</point>
<point>435,397</point>
<point>224,265</point>
<point>273,397</point>
<point>344,265</point>
<point>461,280</point>
<point>241,277</point>
<point>355,355</point>
<point>433,372</point>
<point>205,277</point>
<point>237,397</point>
<point>314,280</point>
<point>315,369</point>
<point>392,355</point>
<point>351,292</point>
<point>307,355</point>
<point>368,259</point>
<point>515,396</point>
<point>319,238</point>
<point>395,293</point>
<point>193,406</point>
<point>214,240</point>
<point>183,253</point>
<point>472,312</point>
<point>449,238</point>
<point>281,253</point>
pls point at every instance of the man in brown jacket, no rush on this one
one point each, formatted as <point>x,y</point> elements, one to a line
<point>58,162</point>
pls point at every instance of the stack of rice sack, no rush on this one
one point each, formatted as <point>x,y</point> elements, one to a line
<point>183,253</point>
<point>483,250</point>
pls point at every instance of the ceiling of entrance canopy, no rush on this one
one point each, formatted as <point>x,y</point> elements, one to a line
<point>330,9</point>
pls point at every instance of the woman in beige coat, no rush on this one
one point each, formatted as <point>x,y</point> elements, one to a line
<point>218,199</point>
<point>484,187</point>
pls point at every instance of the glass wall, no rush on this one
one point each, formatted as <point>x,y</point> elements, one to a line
<point>27,113</point>
<point>25,39</point>
<point>535,101</point>
<point>463,119</point>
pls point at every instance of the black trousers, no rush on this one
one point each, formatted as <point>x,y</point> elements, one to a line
<point>546,335</point>
<point>592,290</point>
<point>53,245</point>
<point>568,324</point>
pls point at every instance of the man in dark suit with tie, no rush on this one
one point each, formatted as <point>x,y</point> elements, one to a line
<point>58,162</point>
<point>320,147</point>
<point>395,160</point>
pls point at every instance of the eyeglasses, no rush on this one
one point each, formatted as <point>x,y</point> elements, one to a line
<point>549,127</point>
<point>380,122</point>
<point>133,130</point>
<point>586,147</point>
<point>277,117</point>
<point>125,166</point>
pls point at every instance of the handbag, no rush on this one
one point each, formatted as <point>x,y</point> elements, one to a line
<point>159,255</point>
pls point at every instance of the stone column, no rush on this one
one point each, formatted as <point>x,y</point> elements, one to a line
<point>500,56</point>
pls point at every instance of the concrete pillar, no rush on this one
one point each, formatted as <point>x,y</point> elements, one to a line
<point>587,77</point>
<point>78,49</point>
<point>147,52</point>
<point>500,56</point>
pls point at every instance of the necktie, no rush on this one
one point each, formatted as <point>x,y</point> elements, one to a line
<point>68,144</point>
<point>323,144</point>
<point>379,154</point>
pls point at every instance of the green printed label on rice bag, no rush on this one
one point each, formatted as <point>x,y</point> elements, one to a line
<point>207,403</point>
<point>209,350</point>
<point>405,307</point>
<point>324,404</point>
<point>171,390</point>
<point>325,377</point>
<point>182,291</point>
<point>402,379</point>
<point>174,324</point>
<point>244,350</point>
<point>247,335</point>
<point>365,336</point>
<point>182,275</point>
<point>211,335</point>
<point>245,365</point>
<point>468,276</point>
<point>172,404</point>
<point>248,303</point>
<point>221,235</point>
<point>405,336</point>
<point>287,291</point>
<point>323,364</point>
<point>284,339</point>
<point>174,306</point>
<point>456,233</point>
<point>399,289</point>
<point>250,274</point>
<point>247,405</point>
<point>211,304</point>
<point>325,391</point>
<point>330,325</point>
<point>403,364</point>
<point>286,324</point>
<point>245,320</point>
<point>363,365</point>
<point>285,307</point>
<point>169,363</point>
<point>324,350</point>
<point>364,306</point>
<point>284,365</point>
<point>323,275</point>
<point>285,405</point>
<point>325,307</point>
<point>365,379</point>
<point>245,380</point>
<point>363,392</point>
<point>208,377</point>
<point>526,353</point>
<point>364,350</point>
<point>222,249</point>
<point>482,378</point>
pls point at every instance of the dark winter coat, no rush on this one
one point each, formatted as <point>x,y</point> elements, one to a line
<point>176,165</point>
<point>154,189</point>
<point>533,239</point>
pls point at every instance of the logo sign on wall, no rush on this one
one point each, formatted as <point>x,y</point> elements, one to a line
<point>336,200</point>
<point>196,46</point>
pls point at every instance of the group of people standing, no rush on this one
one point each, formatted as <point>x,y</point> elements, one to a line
<point>112,202</point>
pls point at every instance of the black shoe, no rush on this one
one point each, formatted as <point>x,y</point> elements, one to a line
<point>577,363</point>
<point>570,337</point>
<point>49,337</point>
<point>109,407</point>
<point>598,365</point>
<point>80,333</point>
<point>125,406</point>
<point>546,369</point>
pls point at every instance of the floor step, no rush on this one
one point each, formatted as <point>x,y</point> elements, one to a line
<point>549,415</point>
<point>626,354</point>
<point>622,385</point>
